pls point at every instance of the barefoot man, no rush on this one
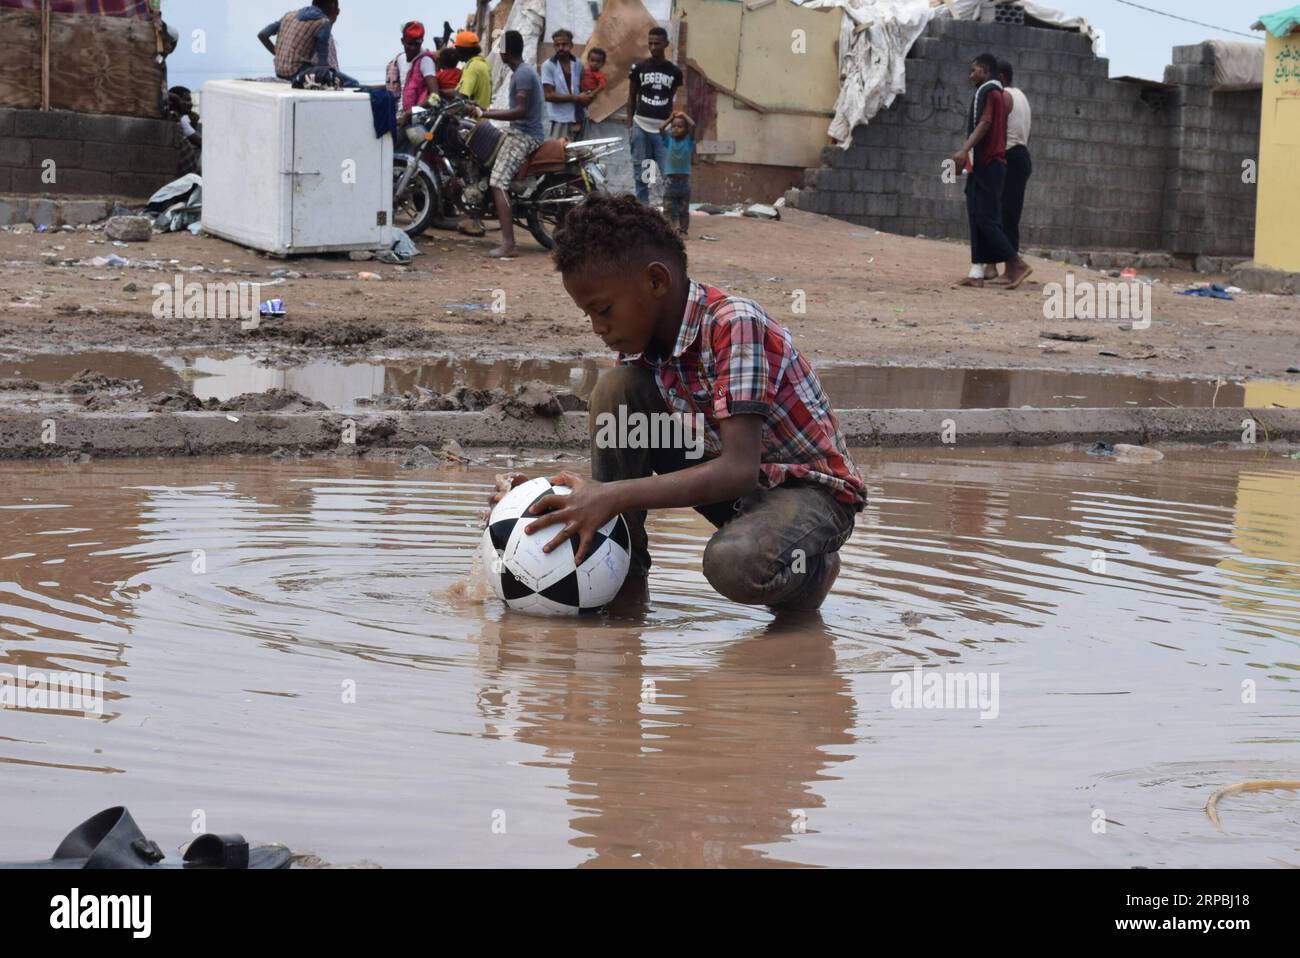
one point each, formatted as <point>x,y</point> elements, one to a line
<point>987,136</point>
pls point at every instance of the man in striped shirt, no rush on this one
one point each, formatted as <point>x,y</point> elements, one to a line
<point>711,406</point>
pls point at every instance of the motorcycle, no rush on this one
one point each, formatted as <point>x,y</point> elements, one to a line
<point>447,173</point>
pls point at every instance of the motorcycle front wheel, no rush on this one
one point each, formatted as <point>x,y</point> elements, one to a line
<point>422,202</point>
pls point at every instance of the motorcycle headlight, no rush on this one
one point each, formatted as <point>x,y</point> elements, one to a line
<point>415,134</point>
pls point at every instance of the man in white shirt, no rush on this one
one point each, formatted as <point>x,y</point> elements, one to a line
<point>1019,166</point>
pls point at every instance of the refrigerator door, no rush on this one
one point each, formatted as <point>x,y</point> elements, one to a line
<point>338,176</point>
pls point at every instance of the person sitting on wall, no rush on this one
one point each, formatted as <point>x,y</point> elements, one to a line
<point>180,107</point>
<point>304,41</point>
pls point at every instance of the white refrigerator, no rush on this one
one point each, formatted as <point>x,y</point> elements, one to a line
<point>294,171</point>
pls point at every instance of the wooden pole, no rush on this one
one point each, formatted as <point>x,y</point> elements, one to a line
<point>481,24</point>
<point>45,54</point>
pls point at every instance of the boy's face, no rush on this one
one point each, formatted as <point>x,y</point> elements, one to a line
<point>978,74</point>
<point>596,61</point>
<point>679,128</point>
<point>623,305</point>
<point>657,46</point>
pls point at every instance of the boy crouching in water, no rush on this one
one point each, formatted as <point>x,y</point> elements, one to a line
<point>771,470</point>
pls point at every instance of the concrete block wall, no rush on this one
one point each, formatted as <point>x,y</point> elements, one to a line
<point>1117,165</point>
<point>1209,209</point>
<point>94,154</point>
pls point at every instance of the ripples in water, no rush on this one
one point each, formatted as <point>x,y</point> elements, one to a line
<point>284,648</point>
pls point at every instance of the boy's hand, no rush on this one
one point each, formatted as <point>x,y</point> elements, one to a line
<point>505,482</point>
<point>583,511</point>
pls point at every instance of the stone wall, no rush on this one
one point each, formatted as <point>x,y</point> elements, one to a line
<point>93,154</point>
<point>1117,164</point>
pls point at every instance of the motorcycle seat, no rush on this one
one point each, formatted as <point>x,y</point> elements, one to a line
<point>548,158</point>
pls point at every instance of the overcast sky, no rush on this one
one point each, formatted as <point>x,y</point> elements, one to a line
<point>1137,42</point>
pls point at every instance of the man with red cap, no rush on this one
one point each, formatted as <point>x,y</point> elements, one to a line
<point>413,74</point>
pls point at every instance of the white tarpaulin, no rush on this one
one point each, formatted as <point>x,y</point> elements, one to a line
<point>526,16</point>
<point>1238,65</point>
<point>875,36</point>
<point>573,15</point>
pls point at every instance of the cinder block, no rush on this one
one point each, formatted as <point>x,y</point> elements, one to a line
<point>138,185</point>
<point>83,182</point>
<point>921,72</point>
<point>13,210</point>
<point>79,212</point>
<point>813,201</point>
<point>881,205</point>
<point>105,157</point>
<point>54,124</point>
<point>7,121</point>
<point>15,151</point>
<point>153,159</point>
<point>847,204</point>
<point>886,159</point>
<point>42,212</point>
<point>27,180</point>
<point>64,153</point>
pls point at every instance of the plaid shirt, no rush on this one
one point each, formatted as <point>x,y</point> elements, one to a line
<point>731,358</point>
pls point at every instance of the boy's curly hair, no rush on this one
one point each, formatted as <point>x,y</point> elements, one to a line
<point>615,232</point>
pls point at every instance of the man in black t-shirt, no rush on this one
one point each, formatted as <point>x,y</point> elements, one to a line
<point>652,84</point>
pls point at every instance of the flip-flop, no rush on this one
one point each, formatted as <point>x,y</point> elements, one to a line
<point>1024,276</point>
<point>112,839</point>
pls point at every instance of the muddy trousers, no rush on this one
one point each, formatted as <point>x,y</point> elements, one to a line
<point>988,242</point>
<point>772,545</point>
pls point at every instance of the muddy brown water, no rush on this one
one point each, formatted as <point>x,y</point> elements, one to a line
<point>232,604</point>
<point>850,386</point>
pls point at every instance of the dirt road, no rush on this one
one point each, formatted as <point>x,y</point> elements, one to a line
<point>870,297</point>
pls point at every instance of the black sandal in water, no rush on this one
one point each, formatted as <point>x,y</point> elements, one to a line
<point>112,839</point>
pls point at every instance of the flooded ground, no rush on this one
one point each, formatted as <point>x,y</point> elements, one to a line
<point>850,385</point>
<point>285,653</point>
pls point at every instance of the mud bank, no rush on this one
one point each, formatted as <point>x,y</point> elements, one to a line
<point>74,435</point>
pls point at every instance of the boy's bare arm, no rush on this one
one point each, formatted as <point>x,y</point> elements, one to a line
<point>729,476</point>
<point>591,504</point>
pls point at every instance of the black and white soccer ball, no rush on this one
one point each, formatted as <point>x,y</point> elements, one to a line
<point>530,580</point>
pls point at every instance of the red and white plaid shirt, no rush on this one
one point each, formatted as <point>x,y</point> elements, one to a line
<point>731,358</point>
